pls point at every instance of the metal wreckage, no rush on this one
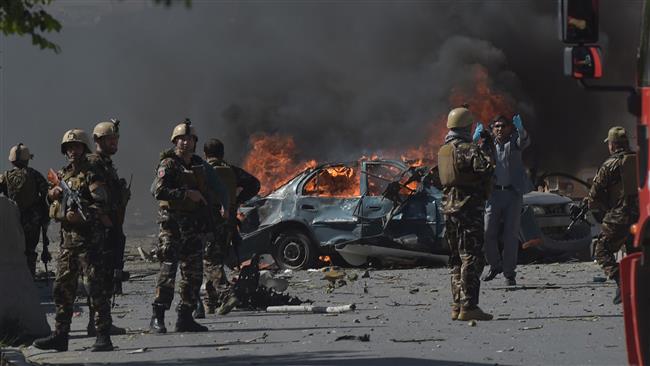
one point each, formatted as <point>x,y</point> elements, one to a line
<point>385,210</point>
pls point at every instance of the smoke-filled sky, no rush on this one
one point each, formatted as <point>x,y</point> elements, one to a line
<point>343,78</point>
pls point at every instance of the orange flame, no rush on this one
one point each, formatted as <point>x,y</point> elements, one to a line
<point>273,159</point>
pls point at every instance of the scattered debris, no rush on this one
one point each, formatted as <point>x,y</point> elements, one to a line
<point>221,347</point>
<point>311,309</point>
<point>395,303</point>
<point>472,323</point>
<point>366,274</point>
<point>506,350</point>
<point>414,291</point>
<point>418,340</point>
<point>139,350</point>
<point>532,328</point>
<point>353,277</point>
<point>267,280</point>
<point>599,279</point>
<point>363,338</point>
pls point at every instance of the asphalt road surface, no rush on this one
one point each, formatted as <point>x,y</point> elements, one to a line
<point>557,315</point>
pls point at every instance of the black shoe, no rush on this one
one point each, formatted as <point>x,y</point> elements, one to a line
<point>199,312</point>
<point>92,332</point>
<point>185,322</point>
<point>55,341</point>
<point>510,281</point>
<point>102,344</point>
<point>617,298</point>
<point>493,272</point>
<point>157,324</point>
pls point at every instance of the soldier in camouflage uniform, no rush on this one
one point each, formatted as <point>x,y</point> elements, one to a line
<point>180,187</point>
<point>465,172</point>
<point>240,186</point>
<point>106,136</point>
<point>83,231</point>
<point>28,189</point>
<point>614,191</point>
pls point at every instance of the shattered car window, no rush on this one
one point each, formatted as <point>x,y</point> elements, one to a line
<point>379,176</point>
<point>334,181</point>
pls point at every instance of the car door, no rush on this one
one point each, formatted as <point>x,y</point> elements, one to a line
<point>326,202</point>
<point>373,206</point>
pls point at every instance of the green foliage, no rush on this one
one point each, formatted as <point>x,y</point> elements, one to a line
<point>27,17</point>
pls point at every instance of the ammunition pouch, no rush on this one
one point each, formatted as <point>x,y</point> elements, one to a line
<point>57,211</point>
<point>452,173</point>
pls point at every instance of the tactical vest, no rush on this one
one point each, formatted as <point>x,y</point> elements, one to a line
<point>452,173</point>
<point>21,188</point>
<point>189,179</point>
<point>627,186</point>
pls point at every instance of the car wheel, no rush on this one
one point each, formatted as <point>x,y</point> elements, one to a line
<point>294,250</point>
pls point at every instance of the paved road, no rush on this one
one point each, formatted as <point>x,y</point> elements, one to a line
<point>556,316</point>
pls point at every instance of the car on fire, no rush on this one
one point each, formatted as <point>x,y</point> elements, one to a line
<point>381,209</point>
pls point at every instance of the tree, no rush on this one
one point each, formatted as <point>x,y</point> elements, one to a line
<point>27,17</point>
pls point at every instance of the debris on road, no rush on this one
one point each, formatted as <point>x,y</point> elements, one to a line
<point>472,323</point>
<point>311,309</point>
<point>532,328</point>
<point>139,350</point>
<point>417,340</point>
<point>363,338</point>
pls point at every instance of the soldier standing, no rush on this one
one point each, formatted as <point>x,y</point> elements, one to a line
<point>106,137</point>
<point>465,172</point>
<point>240,187</point>
<point>84,221</point>
<point>180,187</point>
<point>614,191</point>
<point>28,189</point>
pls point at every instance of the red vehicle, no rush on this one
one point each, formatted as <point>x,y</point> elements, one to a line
<point>579,27</point>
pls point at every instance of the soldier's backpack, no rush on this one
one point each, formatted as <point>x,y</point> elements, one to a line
<point>21,188</point>
<point>451,173</point>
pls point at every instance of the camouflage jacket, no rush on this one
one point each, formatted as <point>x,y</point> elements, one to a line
<point>607,192</point>
<point>12,179</point>
<point>88,181</point>
<point>116,188</point>
<point>174,179</point>
<point>470,159</point>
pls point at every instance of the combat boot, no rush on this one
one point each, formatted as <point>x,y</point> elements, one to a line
<point>102,344</point>
<point>157,324</point>
<point>199,312</point>
<point>455,311</point>
<point>185,322</point>
<point>115,330</point>
<point>56,341</point>
<point>474,314</point>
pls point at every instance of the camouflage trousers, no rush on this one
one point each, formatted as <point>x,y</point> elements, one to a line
<point>464,233</point>
<point>216,284</point>
<point>73,261</point>
<point>31,222</point>
<point>610,240</point>
<point>180,243</point>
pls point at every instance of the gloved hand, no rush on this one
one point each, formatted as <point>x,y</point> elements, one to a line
<point>519,124</point>
<point>45,255</point>
<point>477,131</point>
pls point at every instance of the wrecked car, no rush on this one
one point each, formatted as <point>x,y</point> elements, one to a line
<point>376,209</point>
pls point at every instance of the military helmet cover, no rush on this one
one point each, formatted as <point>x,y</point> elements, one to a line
<point>19,152</point>
<point>107,128</point>
<point>75,135</point>
<point>184,128</point>
<point>459,118</point>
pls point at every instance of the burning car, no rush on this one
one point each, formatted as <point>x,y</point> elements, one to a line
<point>378,209</point>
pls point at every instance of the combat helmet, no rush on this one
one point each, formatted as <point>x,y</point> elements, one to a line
<point>459,117</point>
<point>108,128</point>
<point>19,152</point>
<point>75,135</point>
<point>184,128</point>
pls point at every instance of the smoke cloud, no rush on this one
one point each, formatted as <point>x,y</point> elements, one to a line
<point>342,78</point>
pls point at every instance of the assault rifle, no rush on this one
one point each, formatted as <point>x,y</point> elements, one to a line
<point>70,199</point>
<point>577,214</point>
